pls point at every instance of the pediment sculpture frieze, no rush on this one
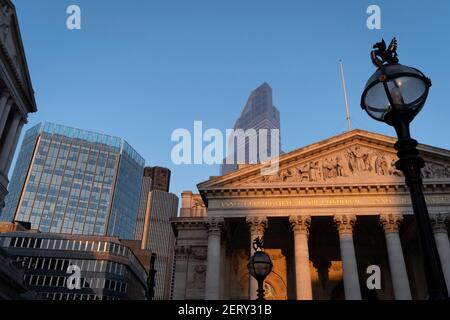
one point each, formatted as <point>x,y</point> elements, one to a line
<point>356,161</point>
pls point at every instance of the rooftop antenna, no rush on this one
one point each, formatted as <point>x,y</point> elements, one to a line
<point>345,94</point>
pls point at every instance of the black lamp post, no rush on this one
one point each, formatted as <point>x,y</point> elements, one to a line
<point>259,266</point>
<point>151,278</point>
<point>395,94</point>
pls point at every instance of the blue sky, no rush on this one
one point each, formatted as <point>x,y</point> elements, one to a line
<point>139,69</point>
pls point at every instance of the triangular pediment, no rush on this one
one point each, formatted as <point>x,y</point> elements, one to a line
<point>356,157</point>
<point>13,54</point>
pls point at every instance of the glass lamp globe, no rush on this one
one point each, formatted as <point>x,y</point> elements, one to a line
<point>395,91</point>
<point>260,265</point>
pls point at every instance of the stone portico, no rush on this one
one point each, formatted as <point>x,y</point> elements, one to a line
<point>333,209</point>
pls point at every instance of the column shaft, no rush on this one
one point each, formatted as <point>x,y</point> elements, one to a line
<point>439,222</point>
<point>349,265</point>
<point>399,275</point>
<point>212,282</point>
<point>5,108</point>
<point>9,141</point>
<point>13,149</point>
<point>300,227</point>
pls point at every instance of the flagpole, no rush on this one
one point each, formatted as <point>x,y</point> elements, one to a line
<point>345,95</point>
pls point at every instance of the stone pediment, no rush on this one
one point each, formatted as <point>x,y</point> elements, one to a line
<point>354,158</point>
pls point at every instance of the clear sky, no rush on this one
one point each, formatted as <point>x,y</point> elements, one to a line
<point>139,69</point>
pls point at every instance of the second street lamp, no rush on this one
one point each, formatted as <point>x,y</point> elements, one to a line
<point>395,94</point>
<point>259,266</point>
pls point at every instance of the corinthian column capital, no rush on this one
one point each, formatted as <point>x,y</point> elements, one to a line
<point>345,223</point>
<point>258,225</point>
<point>214,224</point>
<point>439,222</point>
<point>300,224</point>
<point>391,222</point>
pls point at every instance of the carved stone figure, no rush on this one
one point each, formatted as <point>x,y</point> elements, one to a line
<point>393,171</point>
<point>428,171</point>
<point>304,172</point>
<point>328,169</point>
<point>381,165</point>
<point>286,174</point>
<point>339,167</point>
<point>270,178</point>
<point>314,171</point>
<point>359,157</point>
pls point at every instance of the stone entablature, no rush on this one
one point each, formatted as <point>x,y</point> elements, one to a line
<point>324,204</point>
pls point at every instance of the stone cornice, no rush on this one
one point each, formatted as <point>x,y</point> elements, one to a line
<point>187,223</point>
<point>343,189</point>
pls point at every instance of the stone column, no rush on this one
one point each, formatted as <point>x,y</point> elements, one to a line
<point>300,227</point>
<point>5,108</point>
<point>345,225</point>
<point>13,149</point>
<point>391,225</point>
<point>9,142</point>
<point>213,272</point>
<point>439,223</point>
<point>257,226</point>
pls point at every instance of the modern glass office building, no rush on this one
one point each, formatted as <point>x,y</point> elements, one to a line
<point>259,114</point>
<point>68,180</point>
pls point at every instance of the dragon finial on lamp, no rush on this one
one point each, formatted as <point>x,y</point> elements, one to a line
<point>384,55</point>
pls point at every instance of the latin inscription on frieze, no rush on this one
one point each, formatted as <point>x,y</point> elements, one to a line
<point>325,202</point>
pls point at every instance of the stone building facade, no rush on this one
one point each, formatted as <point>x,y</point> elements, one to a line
<point>334,210</point>
<point>16,91</point>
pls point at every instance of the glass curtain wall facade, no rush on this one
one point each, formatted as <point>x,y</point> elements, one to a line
<point>156,210</point>
<point>68,180</point>
<point>109,269</point>
<point>259,113</point>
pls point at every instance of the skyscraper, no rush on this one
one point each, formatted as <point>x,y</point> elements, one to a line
<point>68,180</point>
<point>160,178</point>
<point>259,113</point>
<point>153,228</point>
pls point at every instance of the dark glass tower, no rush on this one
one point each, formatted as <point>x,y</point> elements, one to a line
<point>73,181</point>
<point>259,113</point>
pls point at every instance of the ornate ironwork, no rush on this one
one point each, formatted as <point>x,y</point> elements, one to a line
<point>384,55</point>
<point>258,244</point>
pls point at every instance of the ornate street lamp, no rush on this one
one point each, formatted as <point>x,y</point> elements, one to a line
<point>395,94</point>
<point>259,266</point>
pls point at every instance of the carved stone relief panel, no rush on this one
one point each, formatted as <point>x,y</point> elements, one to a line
<point>353,161</point>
